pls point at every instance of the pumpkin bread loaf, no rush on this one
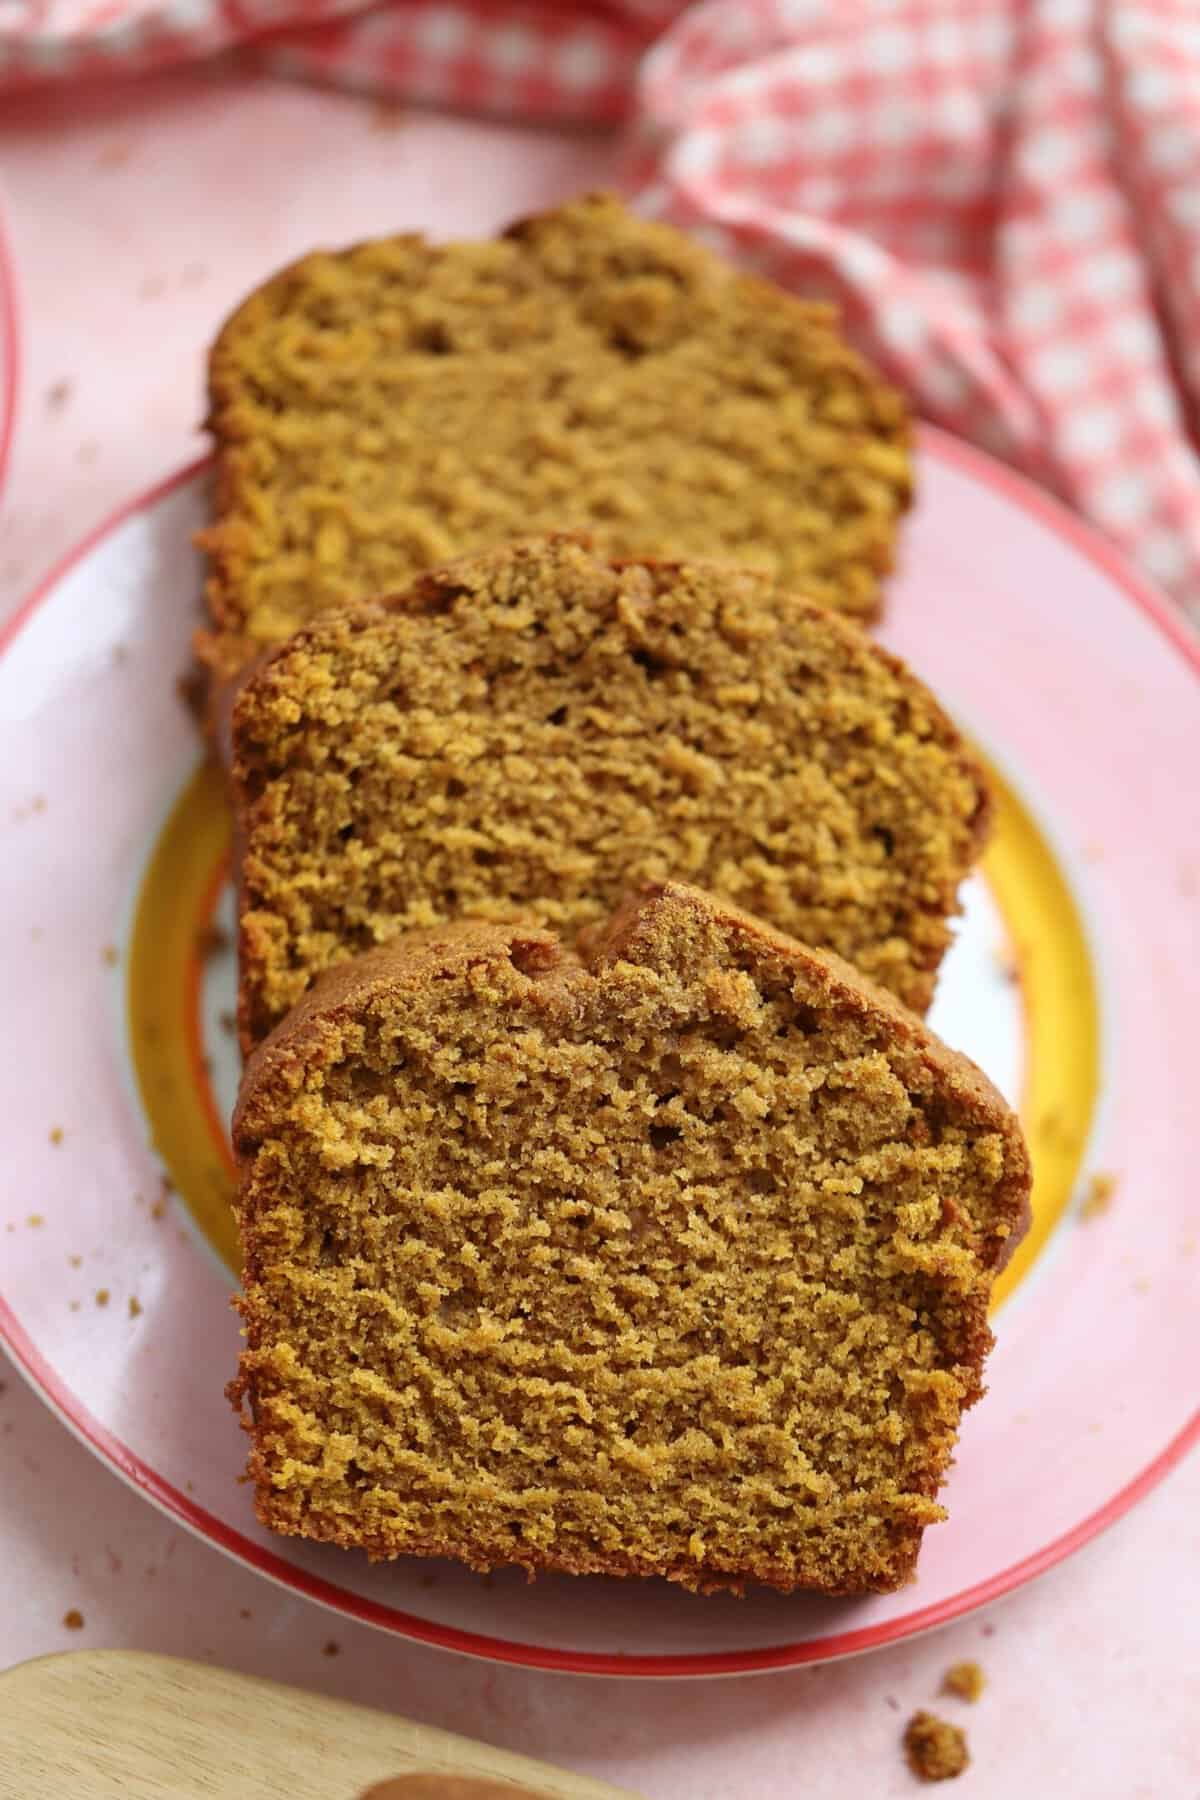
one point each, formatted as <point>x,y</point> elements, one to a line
<point>382,410</point>
<point>535,730</point>
<point>672,1262</point>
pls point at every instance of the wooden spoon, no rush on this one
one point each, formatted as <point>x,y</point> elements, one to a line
<point>103,1724</point>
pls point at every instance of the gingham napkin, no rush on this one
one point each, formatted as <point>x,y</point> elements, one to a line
<point>1003,194</point>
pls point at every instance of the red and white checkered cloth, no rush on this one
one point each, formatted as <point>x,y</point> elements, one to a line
<point>1003,194</point>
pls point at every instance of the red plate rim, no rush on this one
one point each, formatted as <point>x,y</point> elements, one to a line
<point>148,1482</point>
<point>10,353</point>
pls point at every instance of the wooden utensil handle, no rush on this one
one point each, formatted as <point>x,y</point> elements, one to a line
<point>121,1725</point>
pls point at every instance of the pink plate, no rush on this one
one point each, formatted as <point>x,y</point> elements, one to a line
<point>1079,685</point>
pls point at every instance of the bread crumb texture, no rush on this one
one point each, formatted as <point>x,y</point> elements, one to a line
<point>676,1262</point>
<point>936,1750</point>
<point>535,730</point>
<point>379,411</point>
<point>964,1679</point>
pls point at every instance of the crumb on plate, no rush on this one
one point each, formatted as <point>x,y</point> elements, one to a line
<point>1098,1197</point>
<point>212,940</point>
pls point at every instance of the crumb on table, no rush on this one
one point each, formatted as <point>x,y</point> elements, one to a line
<point>73,1620</point>
<point>56,1135</point>
<point>1098,1197</point>
<point>102,1296</point>
<point>936,1750</point>
<point>966,1679</point>
<point>331,1648</point>
<point>135,1306</point>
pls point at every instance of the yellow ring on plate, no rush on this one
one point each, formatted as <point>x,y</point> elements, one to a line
<point>187,870</point>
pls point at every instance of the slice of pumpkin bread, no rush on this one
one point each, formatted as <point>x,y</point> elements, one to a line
<point>675,1262</point>
<point>537,729</point>
<point>381,410</point>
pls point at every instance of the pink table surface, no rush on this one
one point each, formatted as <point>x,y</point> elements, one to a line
<point>135,221</point>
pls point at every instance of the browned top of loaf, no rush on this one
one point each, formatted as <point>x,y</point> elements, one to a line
<point>383,409</point>
<point>657,927</point>
<point>648,928</point>
<point>535,730</point>
<point>672,1262</point>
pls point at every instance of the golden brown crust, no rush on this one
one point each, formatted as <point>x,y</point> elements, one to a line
<point>382,409</point>
<point>672,964</point>
<point>655,913</point>
<point>410,963</point>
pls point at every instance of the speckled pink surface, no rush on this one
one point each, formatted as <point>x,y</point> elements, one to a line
<point>134,225</point>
